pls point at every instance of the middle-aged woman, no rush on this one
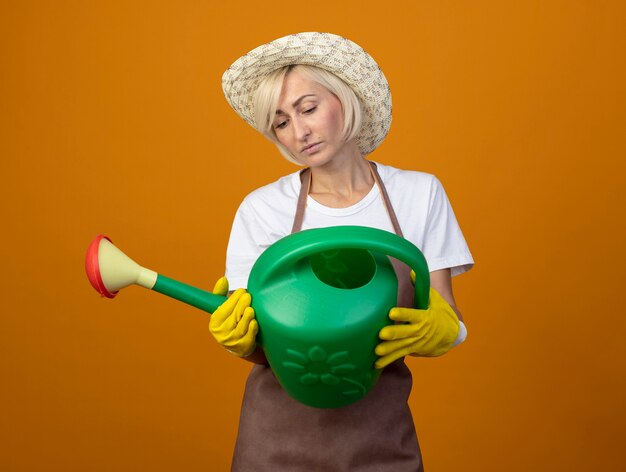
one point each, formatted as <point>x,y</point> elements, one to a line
<point>326,104</point>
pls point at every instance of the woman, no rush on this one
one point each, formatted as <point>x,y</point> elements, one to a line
<point>326,105</point>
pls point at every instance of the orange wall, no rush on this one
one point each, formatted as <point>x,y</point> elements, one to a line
<point>113,120</point>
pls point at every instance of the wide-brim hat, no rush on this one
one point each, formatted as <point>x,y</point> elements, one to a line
<point>336,54</point>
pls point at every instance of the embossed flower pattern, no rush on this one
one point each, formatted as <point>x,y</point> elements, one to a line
<point>317,366</point>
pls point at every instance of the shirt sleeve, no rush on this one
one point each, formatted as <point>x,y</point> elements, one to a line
<point>444,245</point>
<point>248,239</point>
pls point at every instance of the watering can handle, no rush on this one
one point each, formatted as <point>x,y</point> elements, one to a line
<point>312,241</point>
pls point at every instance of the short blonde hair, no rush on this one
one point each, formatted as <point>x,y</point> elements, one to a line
<point>267,94</point>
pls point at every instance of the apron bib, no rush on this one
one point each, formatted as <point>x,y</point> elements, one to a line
<point>375,434</point>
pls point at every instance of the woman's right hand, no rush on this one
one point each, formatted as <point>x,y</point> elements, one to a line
<point>233,324</point>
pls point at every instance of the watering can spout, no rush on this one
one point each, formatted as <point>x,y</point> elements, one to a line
<point>109,270</point>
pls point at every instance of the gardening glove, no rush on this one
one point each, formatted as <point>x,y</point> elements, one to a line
<point>233,324</point>
<point>429,333</point>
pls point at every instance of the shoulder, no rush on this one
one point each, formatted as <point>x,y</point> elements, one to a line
<point>272,205</point>
<point>286,187</point>
<point>410,181</point>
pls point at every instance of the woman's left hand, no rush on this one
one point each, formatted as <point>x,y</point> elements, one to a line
<point>426,333</point>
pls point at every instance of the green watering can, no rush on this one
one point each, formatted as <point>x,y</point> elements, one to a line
<point>320,296</point>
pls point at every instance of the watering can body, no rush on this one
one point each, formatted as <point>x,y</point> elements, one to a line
<point>321,296</point>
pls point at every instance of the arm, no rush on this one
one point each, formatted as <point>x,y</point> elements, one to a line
<point>435,330</point>
<point>257,357</point>
<point>441,280</point>
<point>423,333</point>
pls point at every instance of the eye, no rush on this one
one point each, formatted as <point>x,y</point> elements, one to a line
<point>280,125</point>
<point>310,110</point>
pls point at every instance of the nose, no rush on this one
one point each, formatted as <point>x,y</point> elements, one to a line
<point>301,129</point>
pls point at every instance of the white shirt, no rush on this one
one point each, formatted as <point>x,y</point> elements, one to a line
<point>419,200</point>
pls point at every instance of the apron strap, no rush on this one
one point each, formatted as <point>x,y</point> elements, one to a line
<point>305,187</point>
<point>385,195</point>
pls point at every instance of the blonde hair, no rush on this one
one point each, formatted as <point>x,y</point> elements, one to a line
<point>267,94</point>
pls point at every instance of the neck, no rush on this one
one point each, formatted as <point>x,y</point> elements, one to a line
<point>341,182</point>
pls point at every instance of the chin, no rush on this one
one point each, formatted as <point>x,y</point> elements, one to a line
<point>317,160</point>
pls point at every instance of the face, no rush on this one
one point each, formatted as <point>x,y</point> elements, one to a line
<point>309,121</point>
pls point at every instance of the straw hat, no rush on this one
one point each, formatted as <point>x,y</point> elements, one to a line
<point>327,51</point>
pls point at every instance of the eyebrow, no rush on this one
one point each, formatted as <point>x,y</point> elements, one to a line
<point>296,103</point>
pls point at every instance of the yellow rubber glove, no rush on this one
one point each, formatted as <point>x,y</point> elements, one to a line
<point>427,333</point>
<point>233,324</point>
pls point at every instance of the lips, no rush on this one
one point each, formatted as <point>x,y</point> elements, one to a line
<point>311,148</point>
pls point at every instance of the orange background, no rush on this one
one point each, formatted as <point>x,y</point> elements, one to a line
<point>113,121</point>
